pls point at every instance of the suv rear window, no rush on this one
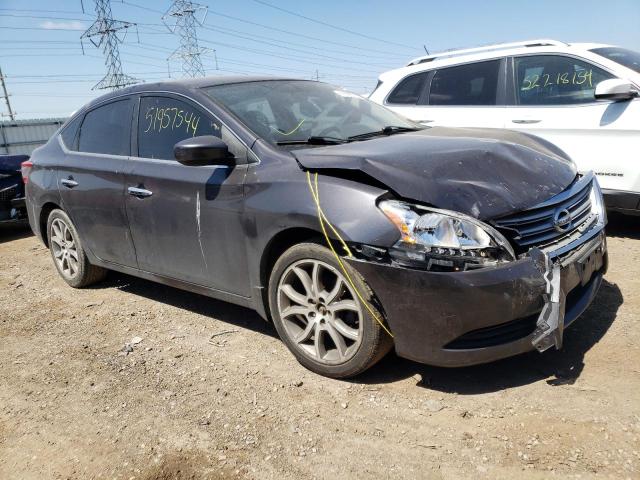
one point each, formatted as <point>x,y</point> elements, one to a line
<point>107,129</point>
<point>408,90</point>
<point>472,84</point>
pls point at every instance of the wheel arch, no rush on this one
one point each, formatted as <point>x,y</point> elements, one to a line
<point>45,211</point>
<point>277,245</point>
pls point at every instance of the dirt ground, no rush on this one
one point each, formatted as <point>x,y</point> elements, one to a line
<point>183,405</point>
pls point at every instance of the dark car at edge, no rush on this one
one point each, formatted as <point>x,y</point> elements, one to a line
<point>351,228</point>
<point>12,201</point>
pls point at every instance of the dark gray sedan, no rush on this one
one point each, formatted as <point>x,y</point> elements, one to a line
<point>353,229</point>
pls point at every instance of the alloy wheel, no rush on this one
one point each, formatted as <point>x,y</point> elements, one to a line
<point>320,312</point>
<point>65,251</point>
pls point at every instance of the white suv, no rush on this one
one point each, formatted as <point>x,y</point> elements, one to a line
<point>582,97</point>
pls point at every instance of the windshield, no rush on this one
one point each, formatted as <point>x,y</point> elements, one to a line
<point>290,111</point>
<point>623,56</point>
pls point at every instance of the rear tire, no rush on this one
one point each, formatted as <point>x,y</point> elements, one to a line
<point>319,316</point>
<point>68,253</point>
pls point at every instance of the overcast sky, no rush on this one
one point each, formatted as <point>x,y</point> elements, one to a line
<point>348,44</point>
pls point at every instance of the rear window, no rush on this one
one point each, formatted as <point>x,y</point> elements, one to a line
<point>623,56</point>
<point>408,90</point>
<point>70,133</point>
<point>473,84</point>
<point>107,129</point>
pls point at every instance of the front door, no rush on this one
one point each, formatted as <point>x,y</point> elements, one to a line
<point>185,221</point>
<point>554,99</point>
<point>91,180</point>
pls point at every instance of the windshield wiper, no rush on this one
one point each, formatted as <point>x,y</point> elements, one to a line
<point>314,140</point>
<point>388,130</point>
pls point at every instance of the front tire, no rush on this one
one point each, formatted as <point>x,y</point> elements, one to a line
<point>68,254</point>
<point>319,316</point>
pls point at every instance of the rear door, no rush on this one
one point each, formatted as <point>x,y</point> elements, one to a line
<point>186,221</point>
<point>469,95</point>
<point>91,179</point>
<point>553,97</point>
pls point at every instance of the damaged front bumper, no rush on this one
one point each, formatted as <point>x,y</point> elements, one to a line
<point>456,319</point>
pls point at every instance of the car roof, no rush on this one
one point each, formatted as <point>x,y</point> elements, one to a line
<point>185,85</point>
<point>470,55</point>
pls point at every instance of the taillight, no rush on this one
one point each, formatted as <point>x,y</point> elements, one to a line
<point>26,167</point>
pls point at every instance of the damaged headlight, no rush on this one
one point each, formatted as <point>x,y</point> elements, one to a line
<point>443,240</point>
<point>597,202</point>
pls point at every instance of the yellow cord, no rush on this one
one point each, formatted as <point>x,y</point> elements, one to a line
<point>292,131</point>
<point>322,218</point>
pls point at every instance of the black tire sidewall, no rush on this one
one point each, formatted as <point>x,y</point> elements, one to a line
<point>372,346</point>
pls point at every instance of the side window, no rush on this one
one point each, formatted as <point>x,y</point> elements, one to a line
<point>165,121</point>
<point>556,80</point>
<point>473,84</point>
<point>107,129</point>
<point>70,133</point>
<point>408,90</point>
<point>236,147</point>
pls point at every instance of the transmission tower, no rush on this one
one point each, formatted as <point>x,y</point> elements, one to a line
<point>182,18</point>
<point>107,33</point>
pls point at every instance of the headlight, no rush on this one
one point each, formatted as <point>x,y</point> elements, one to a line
<point>443,240</point>
<point>597,202</point>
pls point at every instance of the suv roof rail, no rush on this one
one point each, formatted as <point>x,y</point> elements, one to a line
<point>497,46</point>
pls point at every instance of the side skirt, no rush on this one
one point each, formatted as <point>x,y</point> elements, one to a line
<point>172,282</point>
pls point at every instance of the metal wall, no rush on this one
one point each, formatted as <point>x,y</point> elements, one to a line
<point>24,136</point>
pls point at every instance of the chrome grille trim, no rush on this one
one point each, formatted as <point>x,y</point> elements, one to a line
<point>535,226</point>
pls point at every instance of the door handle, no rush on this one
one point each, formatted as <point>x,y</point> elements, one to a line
<point>526,122</point>
<point>69,182</point>
<point>139,192</point>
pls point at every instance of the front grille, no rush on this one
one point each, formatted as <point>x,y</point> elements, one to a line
<point>496,335</point>
<point>8,194</point>
<point>536,226</point>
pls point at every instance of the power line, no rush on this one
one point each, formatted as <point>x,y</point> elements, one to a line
<point>238,33</point>
<point>279,30</point>
<point>304,60</point>
<point>315,53</point>
<point>326,24</point>
<point>39,10</point>
<point>43,28</point>
<point>43,17</point>
<point>103,33</point>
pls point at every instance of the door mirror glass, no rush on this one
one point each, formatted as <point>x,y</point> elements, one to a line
<point>615,89</point>
<point>203,150</point>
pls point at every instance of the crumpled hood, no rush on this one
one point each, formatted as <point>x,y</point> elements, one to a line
<point>485,173</point>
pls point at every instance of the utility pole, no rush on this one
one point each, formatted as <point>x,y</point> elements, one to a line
<point>12,115</point>
<point>104,33</point>
<point>182,18</point>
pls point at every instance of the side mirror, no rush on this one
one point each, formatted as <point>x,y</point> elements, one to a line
<point>615,89</point>
<point>203,150</point>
